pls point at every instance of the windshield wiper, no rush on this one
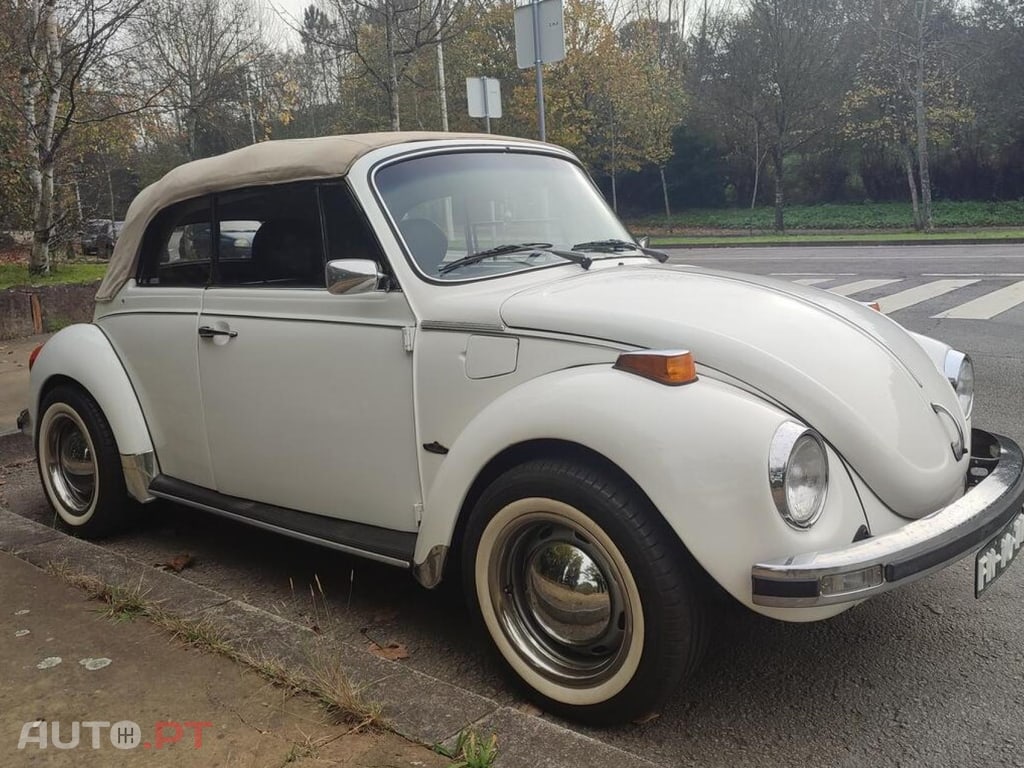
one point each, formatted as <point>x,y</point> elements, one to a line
<point>614,246</point>
<point>502,250</point>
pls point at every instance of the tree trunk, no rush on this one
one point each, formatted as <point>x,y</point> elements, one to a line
<point>664,192</point>
<point>908,164</point>
<point>389,45</point>
<point>921,115</point>
<point>780,194</point>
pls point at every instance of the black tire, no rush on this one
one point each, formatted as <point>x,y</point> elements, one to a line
<point>79,464</point>
<point>634,634</point>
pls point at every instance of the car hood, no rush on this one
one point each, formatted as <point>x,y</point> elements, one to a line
<point>851,373</point>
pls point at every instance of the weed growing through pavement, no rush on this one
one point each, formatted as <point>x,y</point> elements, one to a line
<point>471,751</point>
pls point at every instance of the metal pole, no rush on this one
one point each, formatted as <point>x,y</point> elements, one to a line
<point>539,67</point>
<point>442,87</point>
<point>487,107</point>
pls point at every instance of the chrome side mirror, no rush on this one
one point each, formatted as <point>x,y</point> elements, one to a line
<point>346,276</point>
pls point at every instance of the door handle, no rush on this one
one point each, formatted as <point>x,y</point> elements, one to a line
<point>207,332</point>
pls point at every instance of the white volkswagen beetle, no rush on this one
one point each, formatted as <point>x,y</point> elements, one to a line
<point>439,350</point>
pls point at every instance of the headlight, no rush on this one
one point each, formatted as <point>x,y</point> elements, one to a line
<point>960,371</point>
<point>798,474</point>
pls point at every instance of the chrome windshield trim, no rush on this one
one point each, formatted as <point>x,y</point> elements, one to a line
<point>907,554</point>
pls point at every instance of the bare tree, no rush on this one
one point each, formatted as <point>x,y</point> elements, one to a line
<point>58,47</point>
<point>199,53</point>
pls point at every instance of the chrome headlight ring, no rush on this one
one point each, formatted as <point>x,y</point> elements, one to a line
<point>798,474</point>
<point>959,370</point>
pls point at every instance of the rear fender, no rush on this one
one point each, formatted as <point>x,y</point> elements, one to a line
<point>83,354</point>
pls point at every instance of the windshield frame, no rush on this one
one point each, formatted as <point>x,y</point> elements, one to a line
<point>553,152</point>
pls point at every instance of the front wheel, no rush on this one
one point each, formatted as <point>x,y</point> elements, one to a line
<point>79,463</point>
<point>585,590</point>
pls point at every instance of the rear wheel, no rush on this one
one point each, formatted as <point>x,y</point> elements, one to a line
<point>79,464</point>
<point>584,589</point>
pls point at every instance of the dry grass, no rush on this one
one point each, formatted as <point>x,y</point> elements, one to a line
<point>325,680</point>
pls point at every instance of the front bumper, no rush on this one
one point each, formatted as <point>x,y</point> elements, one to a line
<point>875,565</point>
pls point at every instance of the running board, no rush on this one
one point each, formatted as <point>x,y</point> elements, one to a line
<point>380,544</point>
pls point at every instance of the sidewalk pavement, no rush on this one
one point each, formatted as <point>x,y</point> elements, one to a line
<point>64,663</point>
<point>14,379</point>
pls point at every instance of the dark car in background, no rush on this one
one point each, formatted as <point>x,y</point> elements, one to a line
<point>99,237</point>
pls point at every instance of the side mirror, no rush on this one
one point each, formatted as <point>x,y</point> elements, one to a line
<point>644,242</point>
<point>346,276</point>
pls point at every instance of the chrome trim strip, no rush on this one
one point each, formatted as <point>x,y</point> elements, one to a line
<point>905,555</point>
<point>286,531</point>
<point>139,471</point>
<point>959,447</point>
<point>429,572</point>
<point>456,325</point>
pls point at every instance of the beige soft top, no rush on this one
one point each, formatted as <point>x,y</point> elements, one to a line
<point>270,162</point>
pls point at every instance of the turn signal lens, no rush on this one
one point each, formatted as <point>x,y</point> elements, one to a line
<point>33,355</point>
<point>875,306</point>
<point>673,367</point>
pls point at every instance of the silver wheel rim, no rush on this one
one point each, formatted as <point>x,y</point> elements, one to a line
<point>559,599</point>
<point>70,461</point>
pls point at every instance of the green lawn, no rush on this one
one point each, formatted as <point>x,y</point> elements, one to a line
<point>896,216</point>
<point>994,235</point>
<point>60,274</point>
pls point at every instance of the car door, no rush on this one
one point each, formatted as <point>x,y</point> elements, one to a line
<point>153,331</point>
<point>307,396</point>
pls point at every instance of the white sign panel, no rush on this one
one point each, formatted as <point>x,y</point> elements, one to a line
<point>552,33</point>
<point>484,96</point>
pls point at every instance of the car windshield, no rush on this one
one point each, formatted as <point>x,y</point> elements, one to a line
<point>520,208</point>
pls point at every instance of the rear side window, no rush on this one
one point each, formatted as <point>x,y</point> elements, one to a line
<point>270,236</point>
<point>177,249</point>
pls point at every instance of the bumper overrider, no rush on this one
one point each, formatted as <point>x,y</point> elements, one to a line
<point>875,565</point>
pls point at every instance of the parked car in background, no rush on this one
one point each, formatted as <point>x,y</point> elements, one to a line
<point>100,236</point>
<point>443,349</point>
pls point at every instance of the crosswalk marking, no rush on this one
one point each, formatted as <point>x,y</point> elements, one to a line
<point>861,285</point>
<point>812,280</point>
<point>912,296</point>
<point>989,305</point>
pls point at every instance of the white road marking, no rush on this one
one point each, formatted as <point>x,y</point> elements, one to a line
<point>812,280</point>
<point>989,305</point>
<point>862,285</point>
<point>809,274</point>
<point>912,296</point>
<point>972,274</point>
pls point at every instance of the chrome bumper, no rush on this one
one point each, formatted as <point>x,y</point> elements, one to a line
<point>921,547</point>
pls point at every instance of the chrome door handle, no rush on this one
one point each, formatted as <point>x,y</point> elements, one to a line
<point>208,333</point>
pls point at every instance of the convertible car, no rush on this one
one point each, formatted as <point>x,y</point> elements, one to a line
<point>445,353</point>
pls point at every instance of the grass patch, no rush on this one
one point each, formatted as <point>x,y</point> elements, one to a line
<point>895,216</point>
<point>471,751</point>
<point>60,274</point>
<point>839,237</point>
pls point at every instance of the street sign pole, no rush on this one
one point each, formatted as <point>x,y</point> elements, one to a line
<point>539,67</point>
<point>487,107</point>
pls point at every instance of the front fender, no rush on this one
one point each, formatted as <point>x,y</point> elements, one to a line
<point>83,354</point>
<point>699,452</point>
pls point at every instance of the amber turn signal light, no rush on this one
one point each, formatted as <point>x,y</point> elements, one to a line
<point>33,355</point>
<point>674,367</point>
<point>873,305</point>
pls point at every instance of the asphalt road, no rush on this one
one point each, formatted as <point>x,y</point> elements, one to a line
<point>926,676</point>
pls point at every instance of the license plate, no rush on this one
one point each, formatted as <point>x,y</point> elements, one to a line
<point>995,557</point>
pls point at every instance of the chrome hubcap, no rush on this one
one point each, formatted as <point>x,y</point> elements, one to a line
<point>559,600</point>
<point>70,463</point>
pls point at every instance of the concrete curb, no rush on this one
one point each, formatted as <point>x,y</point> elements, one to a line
<point>841,243</point>
<point>417,706</point>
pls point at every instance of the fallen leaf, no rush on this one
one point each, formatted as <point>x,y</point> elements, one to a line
<point>178,563</point>
<point>390,652</point>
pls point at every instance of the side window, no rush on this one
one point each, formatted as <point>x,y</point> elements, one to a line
<point>270,236</point>
<point>348,233</point>
<point>177,247</point>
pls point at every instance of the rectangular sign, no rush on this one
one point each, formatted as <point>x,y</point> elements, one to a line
<point>484,96</point>
<point>552,33</point>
